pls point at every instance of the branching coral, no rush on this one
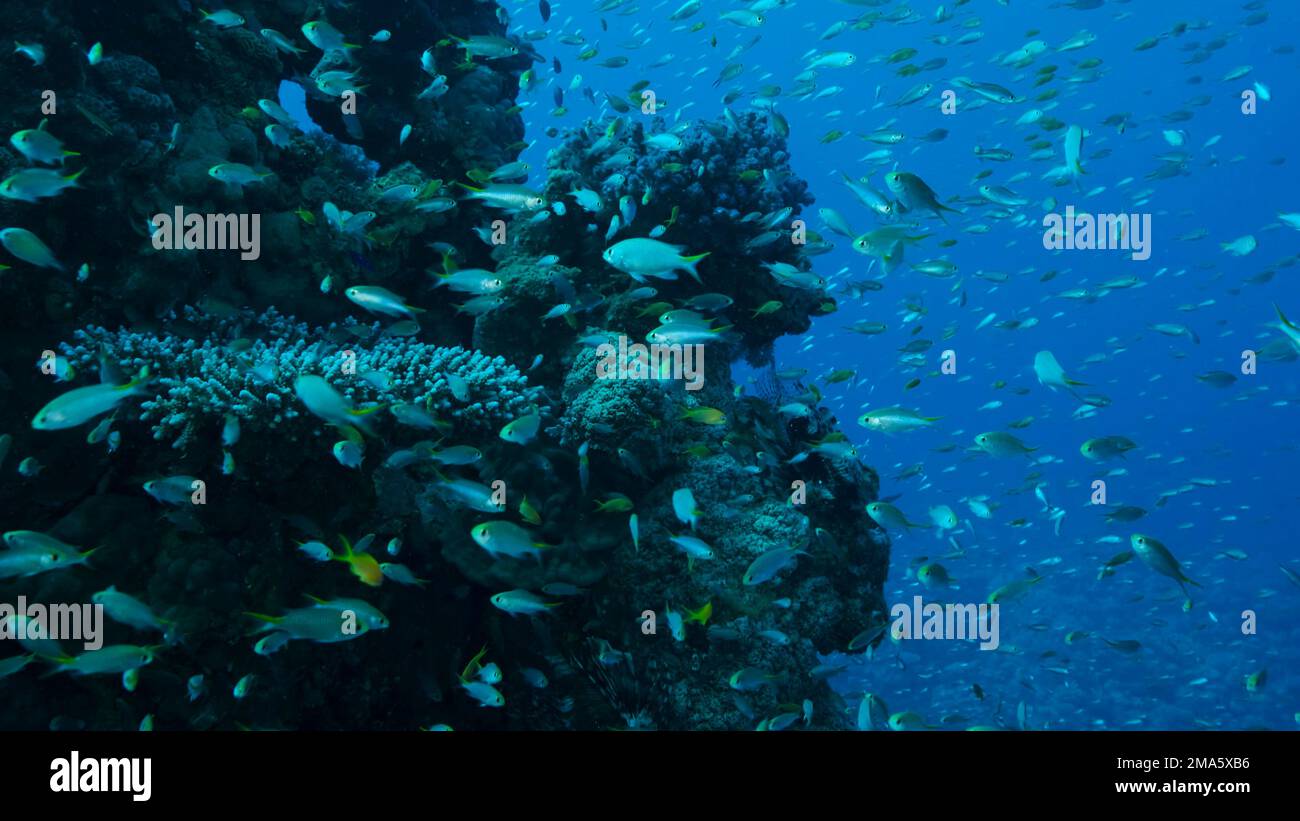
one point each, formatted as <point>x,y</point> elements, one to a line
<point>196,382</point>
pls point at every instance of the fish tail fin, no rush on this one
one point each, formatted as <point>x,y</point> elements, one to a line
<point>691,262</point>
<point>68,153</point>
<point>262,617</point>
<point>347,550</point>
<point>72,178</point>
<point>60,664</point>
<point>1283,318</point>
<point>469,187</point>
<point>464,674</point>
<point>140,379</point>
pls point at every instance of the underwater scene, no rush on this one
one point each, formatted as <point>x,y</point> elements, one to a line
<point>778,365</point>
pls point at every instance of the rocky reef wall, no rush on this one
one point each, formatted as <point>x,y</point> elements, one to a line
<point>599,488</point>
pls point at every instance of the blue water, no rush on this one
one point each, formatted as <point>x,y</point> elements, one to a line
<point>1191,666</point>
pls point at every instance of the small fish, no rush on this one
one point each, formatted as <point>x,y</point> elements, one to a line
<point>522,602</point>
<point>1255,681</point>
<point>522,430</point>
<point>704,416</point>
<point>28,247</point>
<point>364,566</point>
<point>237,174</point>
<point>40,146</point>
<point>485,694</point>
<point>503,538</point>
<point>751,678</point>
<point>243,687</point>
<point>379,300</point>
<point>1158,557</point>
<point>80,405</point>
<point>281,42</point>
<point>34,184</point>
<point>998,443</point>
<point>768,565</point>
<point>684,507</point>
<point>316,550</point>
<point>348,454</point>
<point>222,19</point>
<point>401,574</point>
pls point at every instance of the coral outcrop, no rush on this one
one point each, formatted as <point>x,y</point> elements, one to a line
<point>644,503</point>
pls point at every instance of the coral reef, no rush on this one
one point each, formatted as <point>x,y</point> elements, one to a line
<point>597,488</point>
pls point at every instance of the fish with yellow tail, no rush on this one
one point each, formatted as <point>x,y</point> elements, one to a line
<point>364,566</point>
<point>324,401</point>
<point>80,405</point>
